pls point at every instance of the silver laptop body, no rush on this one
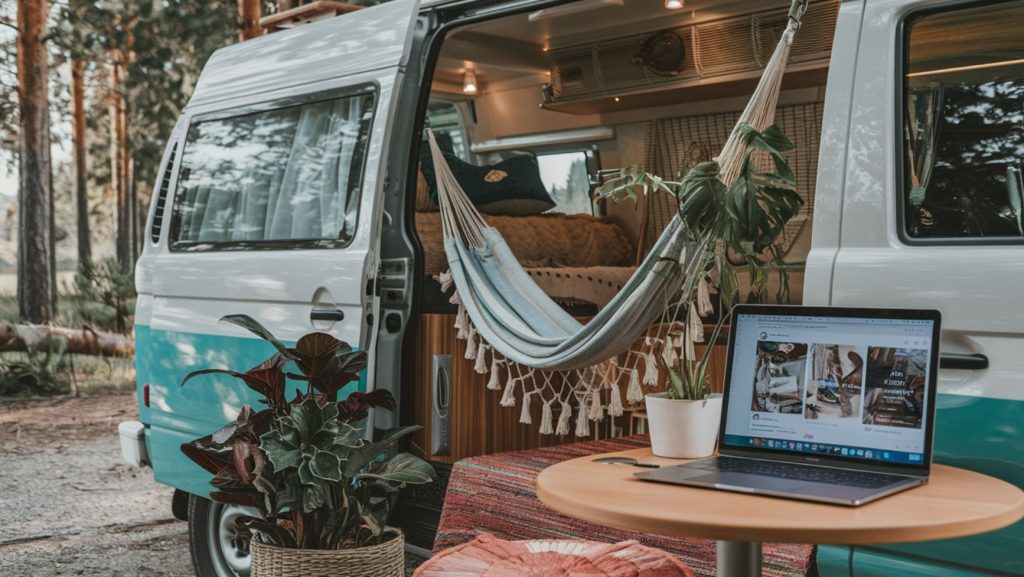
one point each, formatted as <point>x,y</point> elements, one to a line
<point>824,404</point>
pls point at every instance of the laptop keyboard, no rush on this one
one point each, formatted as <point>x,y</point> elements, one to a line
<point>799,472</point>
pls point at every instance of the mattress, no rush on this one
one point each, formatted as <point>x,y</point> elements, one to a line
<point>541,241</point>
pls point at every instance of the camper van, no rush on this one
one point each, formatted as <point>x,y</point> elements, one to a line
<point>296,189</point>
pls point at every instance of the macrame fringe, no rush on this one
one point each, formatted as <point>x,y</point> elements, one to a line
<point>524,415</point>
<point>481,358</point>
<point>615,401</point>
<point>596,411</point>
<point>546,419</point>
<point>582,425</point>
<point>650,368</point>
<point>563,419</point>
<point>508,398</point>
<point>493,383</point>
<point>704,306</point>
<point>634,394</point>
<point>696,329</point>
<point>471,344</point>
<point>446,281</point>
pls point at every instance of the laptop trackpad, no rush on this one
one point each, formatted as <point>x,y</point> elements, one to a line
<point>740,481</point>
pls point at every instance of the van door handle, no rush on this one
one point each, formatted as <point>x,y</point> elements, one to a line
<point>327,315</point>
<point>974,362</point>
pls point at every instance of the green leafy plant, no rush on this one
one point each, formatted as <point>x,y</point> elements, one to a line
<point>744,219</point>
<point>305,464</point>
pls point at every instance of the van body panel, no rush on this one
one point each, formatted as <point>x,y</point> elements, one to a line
<point>183,294</point>
<point>369,39</point>
<point>979,412</point>
<point>832,156</point>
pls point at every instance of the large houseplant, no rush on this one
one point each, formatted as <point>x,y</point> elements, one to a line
<point>323,492</point>
<point>743,220</point>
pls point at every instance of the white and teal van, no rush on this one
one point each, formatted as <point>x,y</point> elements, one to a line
<point>291,191</point>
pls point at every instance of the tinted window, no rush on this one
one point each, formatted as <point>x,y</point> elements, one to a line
<point>566,177</point>
<point>964,123</point>
<point>285,176</point>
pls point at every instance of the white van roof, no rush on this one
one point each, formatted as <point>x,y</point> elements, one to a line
<point>368,39</point>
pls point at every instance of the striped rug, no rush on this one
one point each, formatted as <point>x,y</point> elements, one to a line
<point>495,494</point>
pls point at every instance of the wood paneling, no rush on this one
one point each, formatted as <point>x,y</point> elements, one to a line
<point>479,425</point>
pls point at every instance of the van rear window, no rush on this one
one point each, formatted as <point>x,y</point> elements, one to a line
<point>273,179</point>
<point>964,123</point>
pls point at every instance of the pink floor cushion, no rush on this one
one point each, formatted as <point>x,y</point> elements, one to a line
<point>496,494</point>
<point>488,556</point>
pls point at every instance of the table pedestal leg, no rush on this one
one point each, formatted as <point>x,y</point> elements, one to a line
<point>739,559</point>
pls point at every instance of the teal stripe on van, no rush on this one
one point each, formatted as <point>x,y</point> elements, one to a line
<point>179,414</point>
<point>977,433</point>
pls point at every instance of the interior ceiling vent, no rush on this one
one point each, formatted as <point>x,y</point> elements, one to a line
<point>709,50</point>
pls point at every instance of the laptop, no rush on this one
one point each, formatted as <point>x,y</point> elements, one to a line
<point>825,404</point>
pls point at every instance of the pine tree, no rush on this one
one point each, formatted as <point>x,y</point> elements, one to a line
<point>36,280</point>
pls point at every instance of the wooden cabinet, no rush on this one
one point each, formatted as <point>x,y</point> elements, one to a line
<point>478,424</point>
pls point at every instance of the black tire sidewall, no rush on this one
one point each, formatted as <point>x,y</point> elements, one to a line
<point>199,512</point>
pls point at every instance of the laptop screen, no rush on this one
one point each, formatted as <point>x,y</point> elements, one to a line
<point>831,385</point>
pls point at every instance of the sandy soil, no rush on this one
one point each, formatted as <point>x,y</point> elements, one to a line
<point>70,506</point>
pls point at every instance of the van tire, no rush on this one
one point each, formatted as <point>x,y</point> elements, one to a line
<point>212,556</point>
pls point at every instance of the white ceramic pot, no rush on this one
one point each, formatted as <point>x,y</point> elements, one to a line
<point>683,429</point>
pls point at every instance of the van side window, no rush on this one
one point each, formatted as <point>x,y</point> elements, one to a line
<point>964,124</point>
<point>273,179</point>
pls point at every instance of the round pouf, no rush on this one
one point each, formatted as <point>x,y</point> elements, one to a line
<point>488,556</point>
<point>384,560</point>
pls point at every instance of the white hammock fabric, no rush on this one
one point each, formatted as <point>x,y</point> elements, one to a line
<point>544,351</point>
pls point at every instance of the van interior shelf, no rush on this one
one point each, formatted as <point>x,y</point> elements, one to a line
<point>686,63</point>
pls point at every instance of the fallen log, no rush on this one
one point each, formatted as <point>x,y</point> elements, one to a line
<point>84,341</point>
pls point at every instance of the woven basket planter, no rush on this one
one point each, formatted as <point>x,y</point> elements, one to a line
<point>384,560</point>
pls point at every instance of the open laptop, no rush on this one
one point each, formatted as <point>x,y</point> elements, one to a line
<point>823,404</point>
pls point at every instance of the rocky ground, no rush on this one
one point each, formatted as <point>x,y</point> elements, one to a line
<point>69,506</point>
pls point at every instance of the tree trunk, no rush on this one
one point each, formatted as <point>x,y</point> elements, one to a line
<point>80,341</point>
<point>249,19</point>
<point>78,127</point>
<point>118,160</point>
<point>35,231</point>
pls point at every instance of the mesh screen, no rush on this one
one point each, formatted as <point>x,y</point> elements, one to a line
<point>676,144</point>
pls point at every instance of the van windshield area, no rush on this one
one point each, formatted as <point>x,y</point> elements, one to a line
<point>284,176</point>
<point>964,128</point>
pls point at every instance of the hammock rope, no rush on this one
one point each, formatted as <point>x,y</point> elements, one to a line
<point>545,352</point>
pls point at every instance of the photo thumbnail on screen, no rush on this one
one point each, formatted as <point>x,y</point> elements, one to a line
<point>834,391</point>
<point>779,377</point>
<point>895,387</point>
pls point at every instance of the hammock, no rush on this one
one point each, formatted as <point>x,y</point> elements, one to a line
<point>504,312</point>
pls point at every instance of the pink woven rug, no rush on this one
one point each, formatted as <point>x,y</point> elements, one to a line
<point>495,494</point>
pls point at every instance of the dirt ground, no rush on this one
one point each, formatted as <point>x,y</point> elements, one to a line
<point>70,506</point>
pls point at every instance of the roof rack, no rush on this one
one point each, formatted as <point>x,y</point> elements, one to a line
<point>304,14</point>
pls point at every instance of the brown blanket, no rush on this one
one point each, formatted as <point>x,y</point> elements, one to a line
<point>547,240</point>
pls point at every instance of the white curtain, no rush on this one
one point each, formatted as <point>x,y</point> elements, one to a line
<point>280,175</point>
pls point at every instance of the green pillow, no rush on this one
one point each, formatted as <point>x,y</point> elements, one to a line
<point>510,187</point>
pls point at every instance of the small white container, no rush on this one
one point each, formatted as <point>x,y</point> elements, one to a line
<point>133,443</point>
<point>683,429</point>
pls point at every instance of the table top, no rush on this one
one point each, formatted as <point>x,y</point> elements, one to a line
<point>954,503</point>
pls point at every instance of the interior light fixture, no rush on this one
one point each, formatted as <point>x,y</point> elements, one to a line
<point>469,85</point>
<point>675,4</point>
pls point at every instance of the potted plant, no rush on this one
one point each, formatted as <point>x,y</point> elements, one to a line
<point>322,490</point>
<point>742,221</point>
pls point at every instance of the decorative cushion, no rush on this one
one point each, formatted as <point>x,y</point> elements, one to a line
<point>510,187</point>
<point>488,556</point>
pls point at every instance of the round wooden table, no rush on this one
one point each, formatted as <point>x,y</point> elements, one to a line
<point>954,503</point>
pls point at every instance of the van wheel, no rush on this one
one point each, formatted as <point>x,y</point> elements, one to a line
<point>213,541</point>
